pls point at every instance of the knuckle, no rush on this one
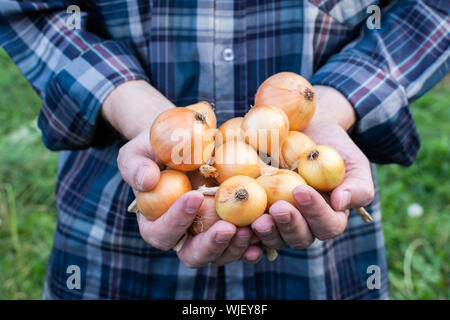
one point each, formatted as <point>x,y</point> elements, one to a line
<point>303,244</point>
<point>160,244</point>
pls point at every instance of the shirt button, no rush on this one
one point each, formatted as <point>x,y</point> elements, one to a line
<point>228,54</point>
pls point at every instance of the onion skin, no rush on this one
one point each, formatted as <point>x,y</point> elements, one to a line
<point>200,129</point>
<point>293,147</point>
<point>205,217</point>
<point>279,185</point>
<point>230,130</point>
<point>240,200</point>
<point>291,93</point>
<point>171,186</point>
<point>236,158</point>
<point>205,108</point>
<point>261,124</point>
<point>198,180</point>
<point>322,167</point>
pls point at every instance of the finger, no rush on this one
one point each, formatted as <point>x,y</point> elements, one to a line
<point>254,240</point>
<point>252,255</point>
<point>136,168</point>
<point>207,246</point>
<point>237,247</point>
<point>264,227</point>
<point>291,225</point>
<point>357,190</point>
<point>323,222</point>
<point>164,232</point>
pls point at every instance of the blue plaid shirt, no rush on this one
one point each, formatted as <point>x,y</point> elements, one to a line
<point>218,51</point>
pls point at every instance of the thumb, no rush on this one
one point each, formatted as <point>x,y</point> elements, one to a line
<point>139,171</point>
<point>356,191</point>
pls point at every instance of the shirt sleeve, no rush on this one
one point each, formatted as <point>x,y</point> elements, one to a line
<point>385,69</point>
<point>72,70</point>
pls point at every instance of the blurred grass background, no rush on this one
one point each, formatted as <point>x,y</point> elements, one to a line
<point>417,247</point>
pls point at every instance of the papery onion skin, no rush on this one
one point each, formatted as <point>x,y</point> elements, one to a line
<point>198,138</point>
<point>230,130</point>
<point>205,109</point>
<point>293,147</point>
<point>291,93</point>
<point>322,167</point>
<point>171,186</point>
<point>236,158</point>
<point>279,185</point>
<point>205,217</point>
<point>261,124</point>
<point>198,180</point>
<point>240,200</point>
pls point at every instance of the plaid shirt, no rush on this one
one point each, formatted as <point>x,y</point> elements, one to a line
<point>218,51</point>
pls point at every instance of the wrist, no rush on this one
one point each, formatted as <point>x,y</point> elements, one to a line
<point>132,107</point>
<point>332,107</point>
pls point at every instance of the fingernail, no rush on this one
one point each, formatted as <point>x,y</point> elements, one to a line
<point>192,205</point>
<point>282,217</point>
<point>223,237</point>
<point>140,177</point>
<point>303,197</point>
<point>346,197</point>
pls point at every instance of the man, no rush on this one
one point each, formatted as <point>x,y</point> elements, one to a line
<point>104,83</point>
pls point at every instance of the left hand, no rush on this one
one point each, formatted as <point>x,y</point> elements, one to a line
<point>313,217</point>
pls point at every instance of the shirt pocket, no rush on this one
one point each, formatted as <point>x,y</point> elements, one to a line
<point>347,12</point>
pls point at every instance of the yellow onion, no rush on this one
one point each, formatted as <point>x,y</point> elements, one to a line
<point>240,200</point>
<point>205,109</point>
<point>183,138</point>
<point>233,159</point>
<point>322,167</point>
<point>171,186</point>
<point>205,217</point>
<point>293,147</point>
<point>265,128</point>
<point>230,130</point>
<point>291,93</point>
<point>279,185</point>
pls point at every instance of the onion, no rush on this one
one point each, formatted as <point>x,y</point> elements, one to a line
<point>293,147</point>
<point>171,186</point>
<point>279,185</point>
<point>230,130</point>
<point>183,138</point>
<point>291,93</point>
<point>265,128</point>
<point>240,200</point>
<point>233,159</point>
<point>206,216</point>
<point>322,168</point>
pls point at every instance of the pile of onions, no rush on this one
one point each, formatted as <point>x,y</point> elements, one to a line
<point>238,186</point>
<point>291,93</point>
<point>183,138</point>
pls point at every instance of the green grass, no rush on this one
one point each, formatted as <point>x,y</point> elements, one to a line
<point>416,247</point>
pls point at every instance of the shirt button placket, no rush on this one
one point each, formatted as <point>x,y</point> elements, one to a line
<point>224,57</point>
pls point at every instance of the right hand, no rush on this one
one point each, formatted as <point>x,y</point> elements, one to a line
<point>221,244</point>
